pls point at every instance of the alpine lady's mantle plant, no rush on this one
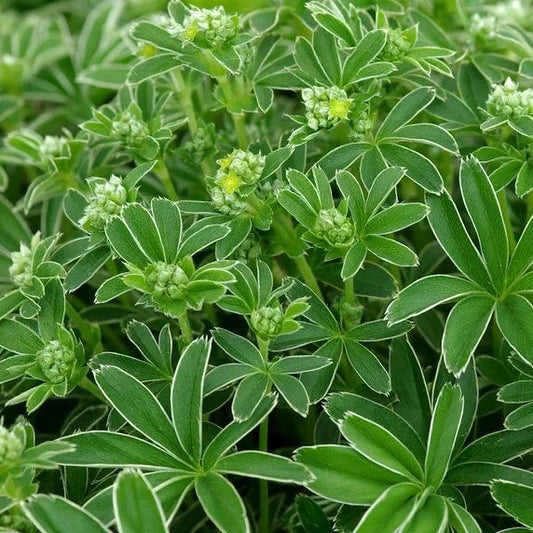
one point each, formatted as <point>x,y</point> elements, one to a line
<point>266,270</point>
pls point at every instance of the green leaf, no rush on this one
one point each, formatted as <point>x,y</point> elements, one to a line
<point>380,446</point>
<point>17,338</point>
<point>293,392</point>
<point>451,234</point>
<point>308,62</point>
<point>390,510</point>
<point>144,231</point>
<point>443,432</point>
<point>327,48</point>
<point>484,210</point>
<point>124,244</point>
<point>364,52</point>
<point>238,347</point>
<point>406,110</point>
<point>167,219</point>
<point>382,186</point>
<point>339,404</point>
<point>186,396</point>
<point>419,168</point>
<point>296,364</point>
<point>54,514</point>
<point>517,392</point>
<point>86,267</point>
<point>9,302</point>
<point>520,418</point>
<point>464,328</point>
<point>13,228</point>
<point>515,500</point>
<point>391,251</point>
<point>409,386</point>
<point>367,366</point>
<point>431,516</point>
<point>341,157</point>
<point>153,66</point>
<point>222,503</point>
<point>522,257</point>
<point>426,293</point>
<point>107,449</point>
<point>152,33</point>
<point>136,505</point>
<point>427,134</point>
<point>353,260</point>
<point>249,393</point>
<point>194,241</point>
<point>514,317</point>
<point>377,330</point>
<point>236,430</point>
<point>498,447</point>
<point>263,465</point>
<point>343,475</point>
<point>111,288</point>
<point>52,311</point>
<point>395,218</point>
<point>137,404</point>
<point>461,519</point>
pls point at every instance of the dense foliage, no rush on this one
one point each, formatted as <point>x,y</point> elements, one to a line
<point>269,270</point>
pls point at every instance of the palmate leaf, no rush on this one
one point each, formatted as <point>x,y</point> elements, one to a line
<point>514,499</point>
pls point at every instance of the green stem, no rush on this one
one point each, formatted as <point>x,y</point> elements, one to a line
<point>185,327</point>
<point>264,520</point>
<point>349,293</point>
<point>529,204</point>
<point>185,100</point>
<point>307,274</point>
<point>89,386</point>
<point>161,171</point>
<point>502,199</point>
<point>263,483</point>
<point>240,128</point>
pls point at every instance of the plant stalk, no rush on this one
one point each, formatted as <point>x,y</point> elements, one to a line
<point>86,384</point>
<point>161,171</point>
<point>185,326</point>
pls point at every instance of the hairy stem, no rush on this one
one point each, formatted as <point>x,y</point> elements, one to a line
<point>161,171</point>
<point>185,327</point>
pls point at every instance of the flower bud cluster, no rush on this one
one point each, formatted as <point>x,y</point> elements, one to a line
<point>199,144</point>
<point>106,201</point>
<point>483,26</point>
<point>56,361</point>
<point>238,170</point>
<point>129,129</point>
<point>267,321</point>
<point>511,11</point>
<point>325,106</point>
<point>213,26</point>
<point>21,270</point>
<point>248,250</point>
<point>53,146</point>
<point>361,125</point>
<point>165,279</point>
<point>507,101</point>
<point>332,226</point>
<point>11,448</point>
<point>13,520</point>
<point>396,47</point>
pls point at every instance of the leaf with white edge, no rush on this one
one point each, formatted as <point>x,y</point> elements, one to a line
<point>222,503</point>
<point>464,329</point>
<point>426,293</point>
<point>515,500</point>
<point>380,446</point>
<point>54,514</point>
<point>514,317</point>
<point>443,432</point>
<point>136,505</point>
<point>263,465</point>
<point>17,338</point>
<point>390,510</point>
<point>345,476</point>
<point>293,392</point>
<point>186,396</point>
<point>461,519</point>
<point>137,404</point>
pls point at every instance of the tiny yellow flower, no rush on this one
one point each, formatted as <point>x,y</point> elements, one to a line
<point>339,108</point>
<point>230,183</point>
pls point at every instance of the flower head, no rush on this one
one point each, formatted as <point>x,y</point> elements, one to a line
<point>53,146</point>
<point>21,269</point>
<point>56,361</point>
<point>129,129</point>
<point>332,226</point>
<point>107,200</point>
<point>166,279</point>
<point>396,46</point>
<point>267,321</point>
<point>325,106</point>
<point>213,26</point>
<point>507,101</point>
